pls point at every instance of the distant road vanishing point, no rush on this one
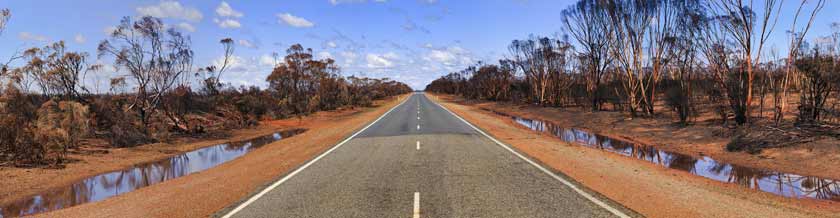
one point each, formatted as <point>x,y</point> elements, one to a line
<point>421,160</point>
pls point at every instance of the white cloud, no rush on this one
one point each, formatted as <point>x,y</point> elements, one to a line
<point>224,10</point>
<point>79,38</point>
<point>266,60</point>
<point>171,9</point>
<point>330,44</point>
<point>294,21</point>
<point>391,55</point>
<point>228,16</point>
<point>27,36</point>
<point>324,55</point>
<point>244,71</point>
<point>450,56</point>
<point>349,57</point>
<point>380,61</point>
<point>186,27</point>
<point>227,23</point>
<point>246,43</point>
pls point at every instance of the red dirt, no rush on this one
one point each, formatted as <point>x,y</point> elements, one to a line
<point>651,190</point>
<point>817,158</point>
<point>200,194</point>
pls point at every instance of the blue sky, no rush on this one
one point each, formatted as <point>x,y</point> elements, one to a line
<point>414,41</point>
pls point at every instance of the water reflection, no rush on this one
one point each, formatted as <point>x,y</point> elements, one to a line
<point>784,184</point>
<point>107,185</point>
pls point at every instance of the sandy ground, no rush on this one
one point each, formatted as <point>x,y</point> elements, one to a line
<point>649,189</point>
<point>817,158</point>
<point>203,193</point>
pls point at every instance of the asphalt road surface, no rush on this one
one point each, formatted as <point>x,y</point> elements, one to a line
<point>419,160</point>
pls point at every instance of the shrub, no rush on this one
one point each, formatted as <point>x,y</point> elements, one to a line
<point>60,126</point>
<point>16,143</point>
<point>118,124</point>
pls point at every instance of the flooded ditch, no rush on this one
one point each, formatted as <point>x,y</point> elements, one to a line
<point>106,185</point>
<point>784,184</point>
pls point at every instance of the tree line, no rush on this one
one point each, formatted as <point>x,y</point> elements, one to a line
<point>683,56</point>
<point>46,108</point>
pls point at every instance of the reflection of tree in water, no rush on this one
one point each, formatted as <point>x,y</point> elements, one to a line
<point>681,162</point>
<point>114,183</point>
<point>806,186</point>
<point>821,188</point>
<point>747,177</point>
<point>783,184</point>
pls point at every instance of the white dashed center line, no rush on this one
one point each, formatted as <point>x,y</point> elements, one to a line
<point>418,145</point>
<point>416,205</point>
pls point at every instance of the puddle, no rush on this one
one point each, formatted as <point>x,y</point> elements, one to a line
<point>111,184</point>
<point>784,184</point>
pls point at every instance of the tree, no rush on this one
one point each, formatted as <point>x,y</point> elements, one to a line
<point>660,42</point>
<point>541,59</point>
<point>213,82</point>
<point>292,80</point>
<point>690,21</point>
<point>586,21</point>
<point>629,23</point>
<point>819,73</point>
<point>737,23</point>
<point>154,57</point>
<point>797,36</point>
<point>5,15</point>
<point>491,82</point>
<point>58,72</point>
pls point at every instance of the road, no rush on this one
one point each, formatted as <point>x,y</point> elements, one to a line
<point>420,160</point>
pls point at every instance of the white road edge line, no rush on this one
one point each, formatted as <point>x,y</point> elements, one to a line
<point>418,145</point>
<point>287,177</point>
<point>416,205</point>
<point>546,171</point>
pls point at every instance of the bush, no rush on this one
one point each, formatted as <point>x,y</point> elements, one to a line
<point>60,126</point>
<point>118,124</point>
<point>16,141</point>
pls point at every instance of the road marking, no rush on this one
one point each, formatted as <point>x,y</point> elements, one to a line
<point>287,177</point>
<point>416,205</point>
<point>418,145</point>
<point>418,126</point>
<point>546,171</point>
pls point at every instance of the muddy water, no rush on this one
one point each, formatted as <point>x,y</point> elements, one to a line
<point>111,184</point>
<point>784,184</point>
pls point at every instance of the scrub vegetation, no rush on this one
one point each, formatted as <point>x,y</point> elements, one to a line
<point>46,109</point>
<point>692,60</point>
